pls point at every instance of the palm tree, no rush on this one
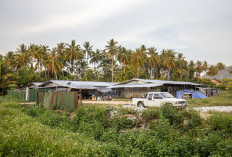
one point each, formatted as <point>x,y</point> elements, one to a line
<point>213,70</point>
<point>96,57</point>
<point>199,68</point>
<point>161,65</point>
<point>123,57</point>
<point>54,63</point>
<point>37,54</point>
<point>10,60</point>
<point>139,58</point>
<point>191,69</point>
<point>169,61</point>
<point>112,51</point>
<point>153,59</point>
<point>73,54</point>
<point>221,67</point>
<point>23,55</point>
<point>181,67</point>
<point>61,52</point>
<point>87,50</point>
<point>205,66</point>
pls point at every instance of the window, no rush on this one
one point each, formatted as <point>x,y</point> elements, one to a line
<point>156,96</point>
<point>150,97</point>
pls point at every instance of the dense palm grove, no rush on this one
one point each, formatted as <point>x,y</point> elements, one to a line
<point>71,61</point>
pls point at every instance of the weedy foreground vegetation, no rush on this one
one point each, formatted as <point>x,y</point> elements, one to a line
<point>30,130</point>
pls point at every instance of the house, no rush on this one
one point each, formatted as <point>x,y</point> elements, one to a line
<point>87,88</point>
<point>138,87</point>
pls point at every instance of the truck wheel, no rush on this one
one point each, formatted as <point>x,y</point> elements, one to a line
<point>141,104</point>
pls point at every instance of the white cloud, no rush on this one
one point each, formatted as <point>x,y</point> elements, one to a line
<point>87,16</point>
<point>199,29</point>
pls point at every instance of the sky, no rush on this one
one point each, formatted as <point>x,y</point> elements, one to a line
<point>200,29</point>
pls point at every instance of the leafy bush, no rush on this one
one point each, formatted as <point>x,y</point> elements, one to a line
<point>35,111</point>
<point>47,132</point>
<point>55,120</point>
<point>221,122</point>
<point>222,86</point>
<point>150,114</point>
<point>91,115</point>
<point>171,113</point>
<point>194,119</point>
<point>122,123</point>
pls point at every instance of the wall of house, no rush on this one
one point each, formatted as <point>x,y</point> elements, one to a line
<point>136,92</point>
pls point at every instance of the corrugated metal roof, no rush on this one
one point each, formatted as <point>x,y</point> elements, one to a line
<point>166,82</point>
<point>136,85</point>
<point>79,84</point>
<point>37,83</point>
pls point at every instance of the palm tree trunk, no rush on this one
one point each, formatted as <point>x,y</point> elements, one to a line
<point>137,72</point>
<point>48,75</point>
<point>151,72</point>
<point>169,70</point>
<point>221,75</point>
<point>162,71</point>
<point>63,73</point>
<point>124,66</point>
<point>45,73</point>
<point>112,69</point>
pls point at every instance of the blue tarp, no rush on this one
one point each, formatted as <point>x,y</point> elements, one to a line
<point>195,94</point>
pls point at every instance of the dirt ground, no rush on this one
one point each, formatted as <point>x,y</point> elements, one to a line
<point>111,102</point>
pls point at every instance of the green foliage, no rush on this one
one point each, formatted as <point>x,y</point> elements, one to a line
<point>222,86</point>
<point>31,130</point>
<point>121,123</point>
<point>28,75</point>
<point>150,114</point>
<point>172,113</point>
<point>207,82</point>
<point>221,122</point>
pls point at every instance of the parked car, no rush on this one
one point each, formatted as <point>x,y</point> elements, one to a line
<point>156,99</point>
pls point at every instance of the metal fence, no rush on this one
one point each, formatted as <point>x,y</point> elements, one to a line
<point>18,93</point>
<point>59,100</point>
<point>50,99</point>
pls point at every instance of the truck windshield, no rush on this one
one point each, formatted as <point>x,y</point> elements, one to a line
<point>167,95</point>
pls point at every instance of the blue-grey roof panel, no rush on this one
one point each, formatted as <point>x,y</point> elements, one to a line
<point>80,84</point>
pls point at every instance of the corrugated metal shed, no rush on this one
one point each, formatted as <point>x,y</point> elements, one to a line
<point>76,84</point>
<point>150,83</point>
<point>162,82</point>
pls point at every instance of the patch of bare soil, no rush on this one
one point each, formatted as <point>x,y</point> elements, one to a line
<point>27,103</point>
<point>72,115</point>
<point>205,115</point>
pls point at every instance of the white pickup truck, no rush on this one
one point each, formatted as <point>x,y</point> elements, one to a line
<point>156,99</point>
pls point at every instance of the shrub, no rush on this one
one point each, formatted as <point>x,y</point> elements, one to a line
<point>194,119</point>
<point>91,115</point>
<point>35,111</point>
<point>160,128</point>
<point>150,114</point>
<point>171,113</point>
<point>221,122</point>
<point>122,123</point>
<point>222,86</point>
<point>55,120</point>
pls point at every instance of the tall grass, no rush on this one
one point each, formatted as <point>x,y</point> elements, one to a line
<point>98,131</point>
